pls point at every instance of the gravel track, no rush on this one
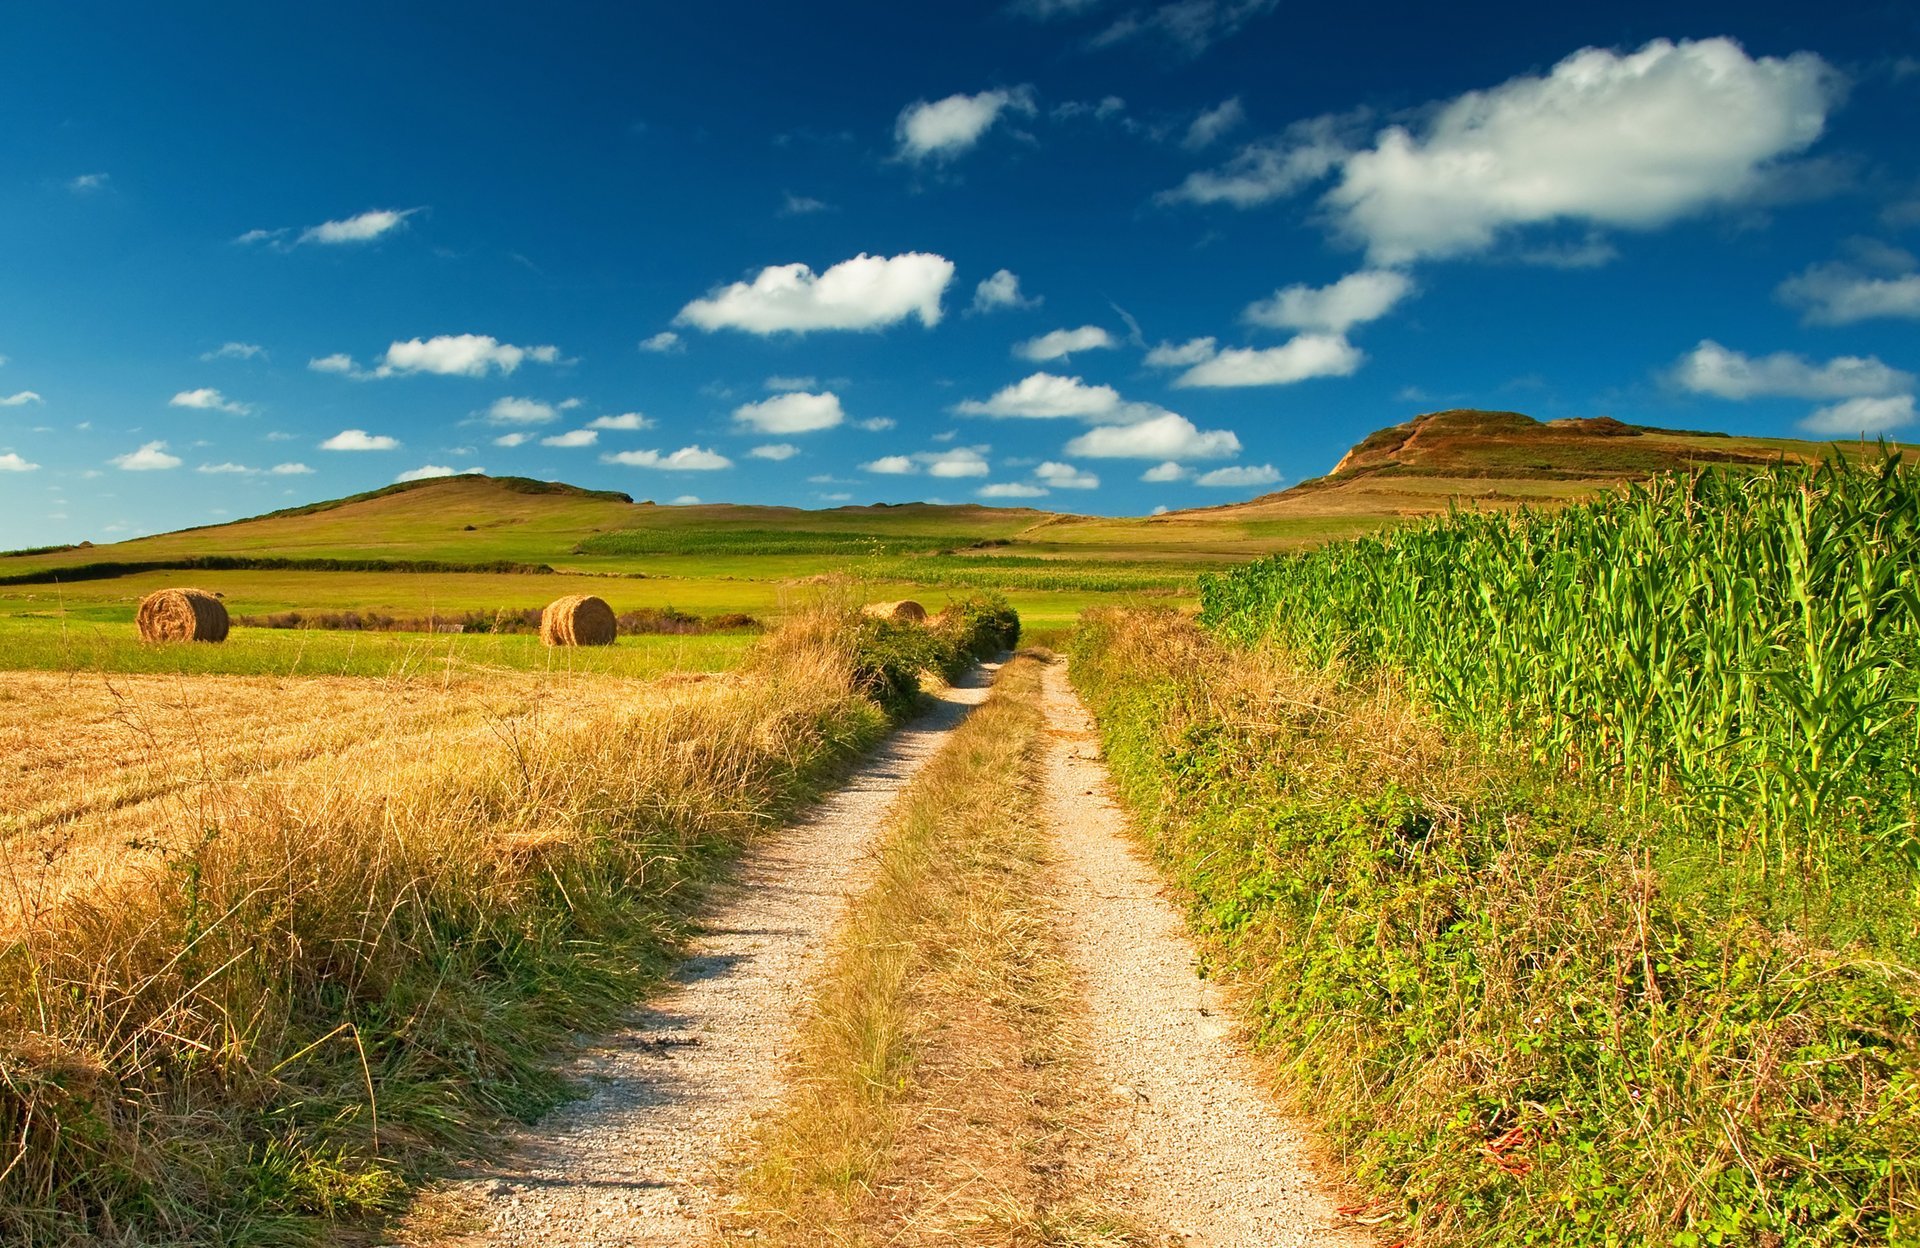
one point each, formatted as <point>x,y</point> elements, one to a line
<point>1213,1159</point>
<point>631,1164</point>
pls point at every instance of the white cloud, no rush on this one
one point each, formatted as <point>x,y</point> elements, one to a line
<point>1262,172</point>
<point>803,205</point>
<point>572,438</point>
<point>1713,369</point>
<point>460,355</point>
<point>10,462</point>
<point>684,500</point>
<point>1061,342</point>
<point>1048,396</point>
<point>1213,123</point>
<point>875,424</point>
<point>227,469</point>
<point>1353,300</point>
<point>891,466</point>
<point>337,363</point>
<point>363,228</point>
<point>775,451</point>
<point>1002,290</point>
<point>791,413</point>
<point>511,411</point>
<point>359,440</point>
<point>21,399</point>
<point>261,236</point>
<point>686,459</point>
<point>1170,436</point>
<point>1163,472</point>
<point>1066,476</point>
<point>1182,354</point>
<point>1191,26</point>
<point>866,292</point>
<point>1239,475</point>
<point>1011,489</point>
<point>662,343</point>
<point>625,420</point>
<point>290,470</point>
<point>1840,294</point>
<point>791,383</point>
<point>208,400</point>
<point>427,472</point>
<point>962,461</point>
<point>1865,417</point>
<point>87,182</point>
<point>1301,358</point>
<point>151,457</point>
<point>235,351</point>
<point>513,439</point>
<point>945,128</point>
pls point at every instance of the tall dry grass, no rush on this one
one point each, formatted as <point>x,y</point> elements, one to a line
<point>279,1019</point>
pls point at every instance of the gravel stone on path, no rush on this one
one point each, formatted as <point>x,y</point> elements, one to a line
<point>631,1165</point>
<point>1213,1157</point>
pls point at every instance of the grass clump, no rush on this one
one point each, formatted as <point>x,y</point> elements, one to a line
<point>1526,1013</point>
<point>935,1093</point>
<point>290,1016</point>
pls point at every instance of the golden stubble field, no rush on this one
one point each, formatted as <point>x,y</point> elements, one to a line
<point>105,774</point>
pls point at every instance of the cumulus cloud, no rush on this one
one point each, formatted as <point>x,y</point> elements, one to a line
<point>1011,489</point>
<point>227,469</point>
<point>663,343</point>
<point>1840,294</point>
<point>1170,436</point>
<point>964,461</point>
<point>866,292</point>
<point>460,355</point>
<point>799,412</point>
<point>572,438</point>
<point>427,472</point>
<point>1239,475</point>
<point>1303,357</point>
<point>1865,417</point>
<point>686,459</point>
<point>1049,396</point>
<point>151,457</point>
<point>1273,168</point>
<point>1353,300</point>
<point>1182,354</point>
<point>359,440</point>
<point>875,424</point>
<point>1213,123</point>
<point>778,382</point>
<point>891,466</point>
<point>512,411</point>
<point>513,439</point>
<point>1713,369</point>
<point>1628,140</point>
<point>11,462</point>
<point>1066,476</point>
<point>943,129</point>
<point>290,470</point>
<point>88,182</point>
<point>1166,471</point>
<point>1002,290</point>
<point>363,228</point>
<point>208,399</point>
<point>625,421</point>
<point>339,362</point>
<point>21,399</point>
<point>235,351</point>
<point>1062,342</point>
<point>775,451</point>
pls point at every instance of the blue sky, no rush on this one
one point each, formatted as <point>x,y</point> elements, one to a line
<point>1089,255</point>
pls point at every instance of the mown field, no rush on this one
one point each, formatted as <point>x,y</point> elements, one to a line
<point>1567,860</point>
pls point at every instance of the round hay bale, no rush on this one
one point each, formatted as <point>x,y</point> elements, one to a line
<point>181,615</point>
<point>906,611</point>
<point>578,620</point>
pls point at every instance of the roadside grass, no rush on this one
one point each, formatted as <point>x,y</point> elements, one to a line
<point>264,1035</point>
<point>1526,1014</point>
<point>935,1094</point>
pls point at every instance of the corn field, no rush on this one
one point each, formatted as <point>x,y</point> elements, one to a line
<point>1747,646</point>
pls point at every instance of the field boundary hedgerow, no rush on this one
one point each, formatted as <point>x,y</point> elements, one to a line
<point>342,984</point>
<point>1525,1013</point>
